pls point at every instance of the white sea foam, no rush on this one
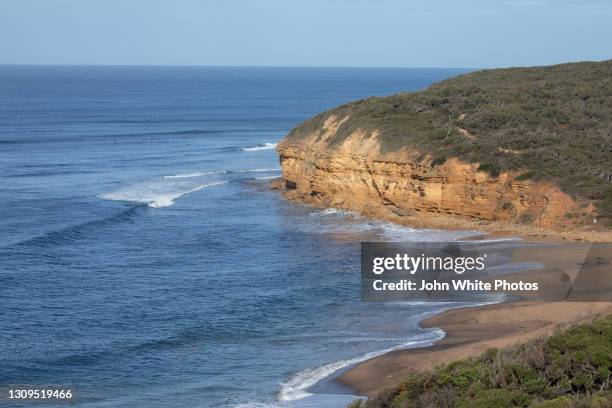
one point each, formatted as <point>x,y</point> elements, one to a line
<point>492,240</point>
<point>339,221</point>
<point>208,173</point>
<point>265,146</point>
<point>257,170</point>
<point>295,388</point>
<point>258,405</point>
<point>189,175</point>
<point>157,193</point>
<point>266,177</point>
<point>163,191</point>
<point>313,401</point>
<point>335,211</point>
<point>329,211</point>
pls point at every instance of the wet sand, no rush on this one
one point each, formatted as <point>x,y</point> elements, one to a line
<point>471,331</point>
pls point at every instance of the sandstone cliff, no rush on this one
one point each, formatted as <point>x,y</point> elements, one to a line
<point>501,146</point>
<point>353,175</point>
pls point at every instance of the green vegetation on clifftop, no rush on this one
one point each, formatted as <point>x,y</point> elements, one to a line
<point>571,369</point>
<point>552,123</point>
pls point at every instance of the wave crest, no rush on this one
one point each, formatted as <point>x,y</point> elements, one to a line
<point>265,146</point>
<point>189,175</point>
<point>158,193</point>
<point>295,388</point>
<point>77,232</point>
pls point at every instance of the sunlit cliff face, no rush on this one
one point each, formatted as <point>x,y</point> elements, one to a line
<point>355,175</point>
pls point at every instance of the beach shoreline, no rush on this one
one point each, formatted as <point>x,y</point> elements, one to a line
<point>470,330</point>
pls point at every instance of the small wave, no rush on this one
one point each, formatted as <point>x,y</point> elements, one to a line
<point>113,136</point>
<point>266,178</point>
<point>332,211</point>
<point>257,170</point>
<point>49,173</point>
<point>336,220</point>
<point>265,146</point>
<point>161,133</point>
<point>77,232</point>
<point>189,175</point>
<point>258,405</point>
<point>295,388</point>
<point>163,191</point>
<point>157,194</point>
<point>400,233</point>
<point>491,240</point>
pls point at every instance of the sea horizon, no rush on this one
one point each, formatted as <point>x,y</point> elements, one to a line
<point>234,66</point>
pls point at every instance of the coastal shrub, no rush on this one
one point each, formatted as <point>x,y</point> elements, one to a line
<point>551,123</point>
<point>384,398</point>
<point>491,168</point>
<point>561,402</point>
<point>438,161</point>
<point>529,175</point>
<point>526,218</point>
<point>499,397</point>
<point>568,369</point>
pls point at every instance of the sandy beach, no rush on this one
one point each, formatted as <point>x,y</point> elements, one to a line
<point>472,330</point>
<point>469,332</point>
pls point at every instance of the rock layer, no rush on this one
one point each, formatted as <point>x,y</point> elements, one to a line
<point>356,176</point>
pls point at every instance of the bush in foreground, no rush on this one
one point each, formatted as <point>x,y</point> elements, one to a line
<point>568,370</point>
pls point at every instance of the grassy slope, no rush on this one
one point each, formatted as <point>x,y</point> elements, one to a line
<point>571,369</point>
<point>553,123</point>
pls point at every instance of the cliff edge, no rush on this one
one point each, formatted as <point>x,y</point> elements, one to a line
<point>526,148</point>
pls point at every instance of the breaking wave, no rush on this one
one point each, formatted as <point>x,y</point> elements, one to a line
<point>189,175</point>
<point>163,191</point>
<point>256,170</point>
<point>265,146</point>
<point>338,221</point>
<point>296,387</point>
<point>160,193</point>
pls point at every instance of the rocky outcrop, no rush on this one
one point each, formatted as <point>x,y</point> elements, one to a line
<point>355,175</point>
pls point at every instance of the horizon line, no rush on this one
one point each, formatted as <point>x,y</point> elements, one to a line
<point>475,68</point>
<point>233,66</point>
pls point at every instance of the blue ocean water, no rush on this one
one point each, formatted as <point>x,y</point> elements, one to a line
<point>144,262</point>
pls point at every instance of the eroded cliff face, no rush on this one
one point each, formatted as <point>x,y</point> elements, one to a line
<point>354,175</point>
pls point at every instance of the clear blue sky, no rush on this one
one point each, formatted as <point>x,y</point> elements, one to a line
<point>393,33</point>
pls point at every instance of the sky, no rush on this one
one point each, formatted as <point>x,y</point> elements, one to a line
<point>353,33</point>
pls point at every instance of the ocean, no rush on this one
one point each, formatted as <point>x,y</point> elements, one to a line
<point>144,261</point>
